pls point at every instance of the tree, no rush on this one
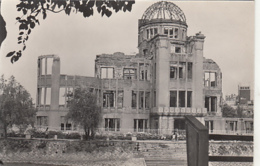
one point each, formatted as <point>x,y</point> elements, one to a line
<point>228,111</point>
<point>84,111</point>
<point>32,9</point>
<point>16,107</point>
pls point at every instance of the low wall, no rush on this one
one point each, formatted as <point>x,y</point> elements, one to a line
<point>66,152</point>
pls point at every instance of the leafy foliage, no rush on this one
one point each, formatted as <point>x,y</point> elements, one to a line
<point>84,111</point>
<point>228,111</point>
<point>31,9</point>
<point>16,105</point>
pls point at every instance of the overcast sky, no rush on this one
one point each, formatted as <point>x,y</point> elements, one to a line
<point>228,27</point>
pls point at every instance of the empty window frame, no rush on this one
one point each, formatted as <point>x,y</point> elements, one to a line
<point>211,103</point>
<point>108,98</point>
<point>183,34</point>
<point>170,33</point>
<point>176,33</point>
<point>141,99</point>
<point>166,31</point>
<point>112,124</point>
<point>249,126</point>
<point>210,125</point>
<point>151,32</point>
<point>143,68</point>
<point>134,98</point>
<point>42,120</point>
<point>65,124</point>
<point>210,79</point>
<point>45,96</point>
<point>173,70</point>
<point>173,98</point>
<point>147,99</point>
<point>140,125</point>
<point>154,99</point>
<point>107,72</point>
<point>177,50</point>
<point>120,97</point>
<point>213,82</point>
<point>189,99</point>
<point>129,73</point>
<point>189,70</point>
<point>231,126</point>
<point>43,66</point>
<point>182,69</point>
<point>49,65</point>
<point>181,98</point>
<point>62,96</point>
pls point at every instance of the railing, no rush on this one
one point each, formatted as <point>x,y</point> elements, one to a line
<point>181,111</point>
<point>230,132</point>
<point>198,145</point>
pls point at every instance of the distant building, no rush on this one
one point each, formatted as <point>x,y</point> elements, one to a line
<point>149,91</point>
<point>231,100</point>
<point>244,95</point>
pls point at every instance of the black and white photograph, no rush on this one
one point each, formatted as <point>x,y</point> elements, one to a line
<point>128,83</point>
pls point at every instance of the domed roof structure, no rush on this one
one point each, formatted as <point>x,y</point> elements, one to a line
<point>164,10</point>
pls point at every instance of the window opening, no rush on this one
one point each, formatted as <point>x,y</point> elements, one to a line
<point>211,103</point>
<point>129,73</point>
<point>173,70</point>
<point>173,98</point>
<point>171,33</point>
<point>189,99</point>
<point>140,125</point>
<point>176,33</point>
<point>108,98</point>
<point>48,96</point>
<point>166,31</point>
<point>49,65</point>
<point>107,72</point>
<point>141,99</point>
<point>209,124</point>
<point>206,79</point>
<point>189,70</point>
<point>112,124</point>
<point>147,99</point>
<point>213,82</point>
<point>120,99</point>
<point>181,98</point>
<point>134,99</point>
<point>177,49</point>
<point>62,96</point>
<point>155,31</point>
<point>42,121</point>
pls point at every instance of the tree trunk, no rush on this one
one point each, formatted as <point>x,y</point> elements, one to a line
<point>5,130</point>
<point>92,133</point>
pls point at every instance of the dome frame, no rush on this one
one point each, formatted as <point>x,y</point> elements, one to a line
<point>164,10</point>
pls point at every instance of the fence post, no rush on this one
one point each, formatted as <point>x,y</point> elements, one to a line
<point>197,142</point>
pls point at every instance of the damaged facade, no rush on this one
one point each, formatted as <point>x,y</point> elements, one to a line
<point>147,92</point>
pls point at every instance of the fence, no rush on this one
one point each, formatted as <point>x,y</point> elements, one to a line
<point>198,146</point>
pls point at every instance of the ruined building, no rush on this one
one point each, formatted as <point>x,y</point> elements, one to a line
<point>150,91</point>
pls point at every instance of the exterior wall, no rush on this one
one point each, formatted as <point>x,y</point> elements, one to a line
<point>49,77</point>
<point>162,44</point>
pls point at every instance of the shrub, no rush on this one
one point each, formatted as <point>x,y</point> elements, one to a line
<point>72,136</point>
